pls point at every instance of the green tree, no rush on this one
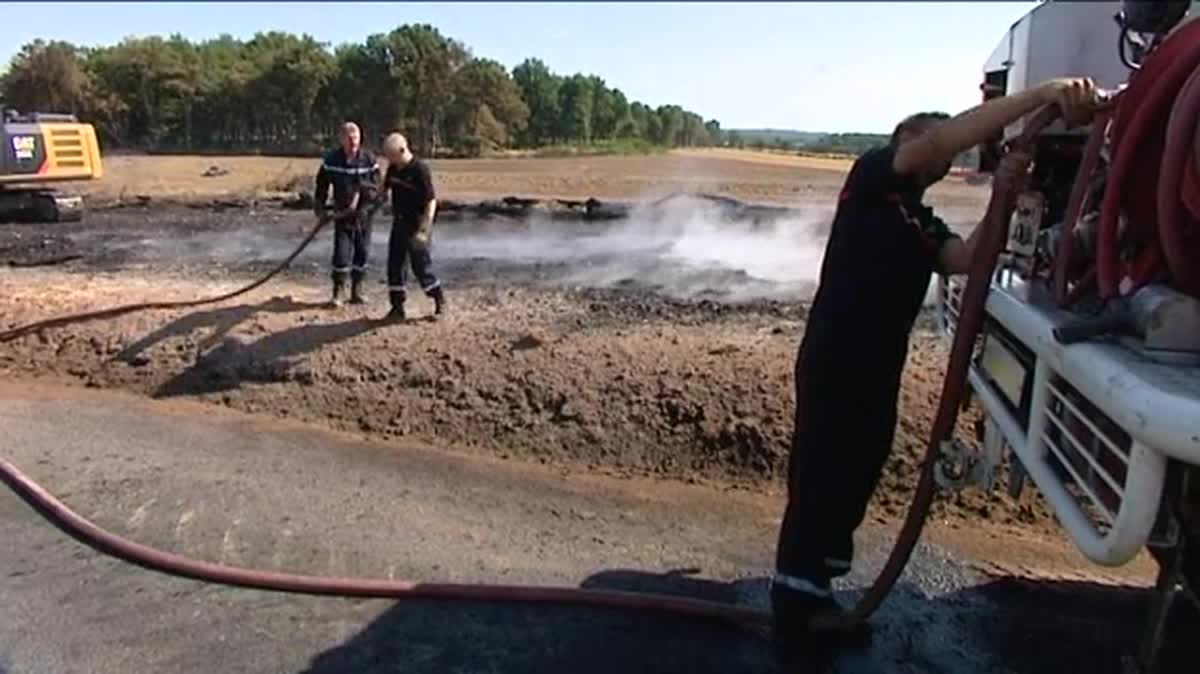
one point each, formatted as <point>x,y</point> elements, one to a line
<point>540,90</point>
<point>363,90</point>
<point>641,115</point>
<point>289,74</point>
<point>487,109</point>
<point>220,113</point>
<point>157,80</point>
<point>715,135</point>
<point>279,91</point>
<point>421,64</point>
<point>693,132</point>
<point>47,77</point>
<point>670,125</point>
<point>575,109</point>
<point>623,126</point>
<point>604,110</point>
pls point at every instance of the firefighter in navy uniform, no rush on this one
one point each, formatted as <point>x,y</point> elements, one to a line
<point>352,173</point>
<point>414,206</point>
<point>882,250</point>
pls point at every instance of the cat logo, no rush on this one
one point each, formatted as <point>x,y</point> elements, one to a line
<point>24,146</point>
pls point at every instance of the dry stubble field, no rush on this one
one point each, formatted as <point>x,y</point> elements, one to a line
<point>743,174</point>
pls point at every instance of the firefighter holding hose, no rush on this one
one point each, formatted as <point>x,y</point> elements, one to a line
<point>353,175</point>
<point>414,205</point>
<point>882,250</point>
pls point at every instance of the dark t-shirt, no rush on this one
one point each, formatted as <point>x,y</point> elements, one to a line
<point>412,189</point>
<point>347,176</point>
<point>882,251</point>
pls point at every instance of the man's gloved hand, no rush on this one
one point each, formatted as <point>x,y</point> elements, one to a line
<point>320,211</point>
<point>424,234</point>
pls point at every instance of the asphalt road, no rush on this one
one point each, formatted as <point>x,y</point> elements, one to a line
<point>221,487</point>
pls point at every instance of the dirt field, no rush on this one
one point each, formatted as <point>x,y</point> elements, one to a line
<point>743,174</point>
<point>604,361</point>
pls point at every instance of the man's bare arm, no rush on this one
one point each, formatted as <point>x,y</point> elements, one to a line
<point>955,255</point>
<point>968,129</point>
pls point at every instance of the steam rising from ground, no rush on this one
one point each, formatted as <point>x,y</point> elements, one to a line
<point>684,247</point>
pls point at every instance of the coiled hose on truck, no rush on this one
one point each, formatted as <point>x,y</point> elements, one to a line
<point>993,237</point>
<point>1154,175</point>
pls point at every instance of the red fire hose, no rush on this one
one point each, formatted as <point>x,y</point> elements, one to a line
<point>1076,207</point>
<point>1174,223</point>
<point>993,236</point>
<point>1137,182</point>
<point>79,528</point>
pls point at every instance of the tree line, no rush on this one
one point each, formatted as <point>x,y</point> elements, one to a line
<point>805,141</point>
<point>279,92</point>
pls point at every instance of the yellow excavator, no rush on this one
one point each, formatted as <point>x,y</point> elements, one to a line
<point>39,151</point>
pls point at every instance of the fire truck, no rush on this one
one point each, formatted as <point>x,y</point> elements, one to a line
<point>1088,364</point>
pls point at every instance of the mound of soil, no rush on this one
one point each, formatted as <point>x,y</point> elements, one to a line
<point>609,381</point>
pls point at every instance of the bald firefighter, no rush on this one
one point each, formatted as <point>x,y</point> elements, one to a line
<point>351,172</point>
<point>414,206</point>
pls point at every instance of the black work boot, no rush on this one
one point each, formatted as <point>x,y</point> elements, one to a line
<point>807,626</point>
<point>439,301</point>
<point>397,312</point>
<point>356,296</point>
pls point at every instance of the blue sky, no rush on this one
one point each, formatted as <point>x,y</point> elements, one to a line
<point>846,66</point>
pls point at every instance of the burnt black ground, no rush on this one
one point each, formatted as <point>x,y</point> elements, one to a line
<point>626,257</point>
<point>622,278</point>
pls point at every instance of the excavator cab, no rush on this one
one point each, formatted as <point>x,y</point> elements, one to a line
<point>37,151</point>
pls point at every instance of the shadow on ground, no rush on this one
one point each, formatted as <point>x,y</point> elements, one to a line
<point>1004,626</point>
<point>474,637</point>
<point>267,360</point>
<point>1077,626</point>
<point>221,320</point>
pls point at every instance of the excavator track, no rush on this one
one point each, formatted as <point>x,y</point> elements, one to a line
<point>40,205</point>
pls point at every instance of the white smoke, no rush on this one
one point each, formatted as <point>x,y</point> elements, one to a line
<point>684,247</point>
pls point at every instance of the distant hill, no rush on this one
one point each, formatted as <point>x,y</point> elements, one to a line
<point>817,142</point>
